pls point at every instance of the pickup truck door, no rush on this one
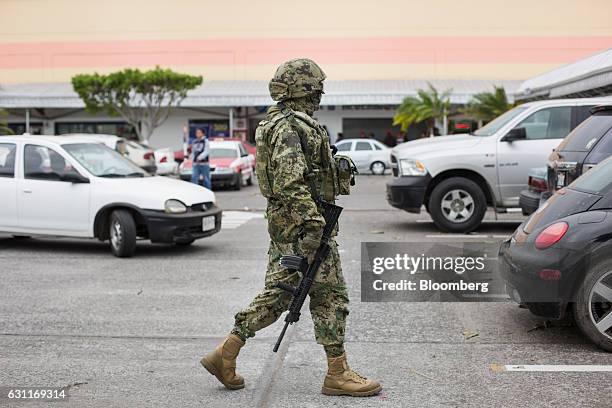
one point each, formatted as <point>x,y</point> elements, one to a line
<point>46,204</point>
<point>8,186</point>
<point>544,130</point>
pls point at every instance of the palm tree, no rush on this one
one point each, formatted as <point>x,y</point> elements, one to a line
<point>486,106</point>
<point>428,106</point>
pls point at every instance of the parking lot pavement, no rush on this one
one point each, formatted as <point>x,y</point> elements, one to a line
<point>130,332</point>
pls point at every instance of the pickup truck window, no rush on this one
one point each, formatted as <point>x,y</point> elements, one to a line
<point>548,123</point>
<point>493,126</point>
<point>7,160</point>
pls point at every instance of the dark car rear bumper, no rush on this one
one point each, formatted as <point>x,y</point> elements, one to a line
<point>408,193</point>
<point>527,274</point>
<point>177,228</point>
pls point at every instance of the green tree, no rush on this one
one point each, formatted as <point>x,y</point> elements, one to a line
<point>486,106</point>
<point>4,129</point>
<point>428,106</point>
<point>143,99</point>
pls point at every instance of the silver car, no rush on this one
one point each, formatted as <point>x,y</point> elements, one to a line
<point>369,155</point>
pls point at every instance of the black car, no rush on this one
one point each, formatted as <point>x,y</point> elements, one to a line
<point>560,258</point>
<point>582,149</point>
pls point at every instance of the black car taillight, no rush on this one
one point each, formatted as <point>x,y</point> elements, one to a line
<point>551,235</point>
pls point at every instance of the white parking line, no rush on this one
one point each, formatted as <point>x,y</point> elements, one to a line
<point>579,368</point>
<point>235,219</point>
<point>455,236</point>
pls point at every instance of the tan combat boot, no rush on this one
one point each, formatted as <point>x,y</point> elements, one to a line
<point>341,380</point>
<point>222,362</point>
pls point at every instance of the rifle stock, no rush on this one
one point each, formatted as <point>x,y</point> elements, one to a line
<point>331,214</point>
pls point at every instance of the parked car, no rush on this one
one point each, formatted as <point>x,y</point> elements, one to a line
<point>369,155</point>
<point>164,162</point>
<point>582,149</point>
<point>75,187</point>
<point>139,154</point>
<point>561,257</point>
<point>179,155</point>
<point>230,165</point>
<point>248,146</point>
<point>142,155</point>
<point>457,176</point>
<point>529,201</point>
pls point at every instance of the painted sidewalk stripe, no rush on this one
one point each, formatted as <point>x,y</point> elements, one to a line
<point>235,219</point>
<point>578,368</point>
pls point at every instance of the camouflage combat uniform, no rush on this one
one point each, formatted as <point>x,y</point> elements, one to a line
<point>296,170</point>
<point>291,213</point>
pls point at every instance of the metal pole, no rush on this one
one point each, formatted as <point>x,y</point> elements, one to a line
<point>231,122</point>
<point>27,118</point>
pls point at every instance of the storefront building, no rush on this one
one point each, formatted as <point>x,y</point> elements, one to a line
<point>375,54</point>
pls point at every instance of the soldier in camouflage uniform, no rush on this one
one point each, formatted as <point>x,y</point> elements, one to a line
<point>295,168</point>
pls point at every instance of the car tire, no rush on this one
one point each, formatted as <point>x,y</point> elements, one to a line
<point>460,198</point>
<point>378,168</point>
<point>122,233</point>
<point>21,237</point>
<point>250,179</point>
<point>591,308</point>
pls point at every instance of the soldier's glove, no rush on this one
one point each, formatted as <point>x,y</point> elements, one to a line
<point>310,242</point>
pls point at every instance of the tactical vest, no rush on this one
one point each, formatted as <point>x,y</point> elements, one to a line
<point>333,178</point>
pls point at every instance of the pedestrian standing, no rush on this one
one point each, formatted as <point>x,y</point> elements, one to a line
<point>200,151</point>
<point>390,140</point>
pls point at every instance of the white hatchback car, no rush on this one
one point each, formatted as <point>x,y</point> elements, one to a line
<point>73,187</point>
<point>368,154</point>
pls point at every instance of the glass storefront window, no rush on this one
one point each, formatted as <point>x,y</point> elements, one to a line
<point>120,129</point>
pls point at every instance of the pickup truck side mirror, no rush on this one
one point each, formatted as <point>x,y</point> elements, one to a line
<point>74,177</point>
<point>515,134</point>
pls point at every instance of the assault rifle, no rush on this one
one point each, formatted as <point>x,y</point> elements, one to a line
<point>331,213</point>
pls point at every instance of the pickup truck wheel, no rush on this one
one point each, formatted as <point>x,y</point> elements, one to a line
<point>593,306</point>
<point>457,204</point>
<point>122,233</point>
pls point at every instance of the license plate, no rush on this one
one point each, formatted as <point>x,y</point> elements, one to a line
<point>208,223</point>
<point>560,180</point>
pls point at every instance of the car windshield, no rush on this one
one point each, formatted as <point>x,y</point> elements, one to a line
<point>101,161</point>
<point>598,180</point>
<point>217,152</point>
<point>493,126</point>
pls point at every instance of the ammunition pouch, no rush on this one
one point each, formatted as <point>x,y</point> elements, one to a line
<point>345,174</point>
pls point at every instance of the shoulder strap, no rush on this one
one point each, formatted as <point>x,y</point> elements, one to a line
<point>310,179</point>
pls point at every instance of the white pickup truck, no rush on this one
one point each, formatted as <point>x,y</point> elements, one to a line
<point>456,177</point>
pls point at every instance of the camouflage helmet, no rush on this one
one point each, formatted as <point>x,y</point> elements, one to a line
<point>295,79</point>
